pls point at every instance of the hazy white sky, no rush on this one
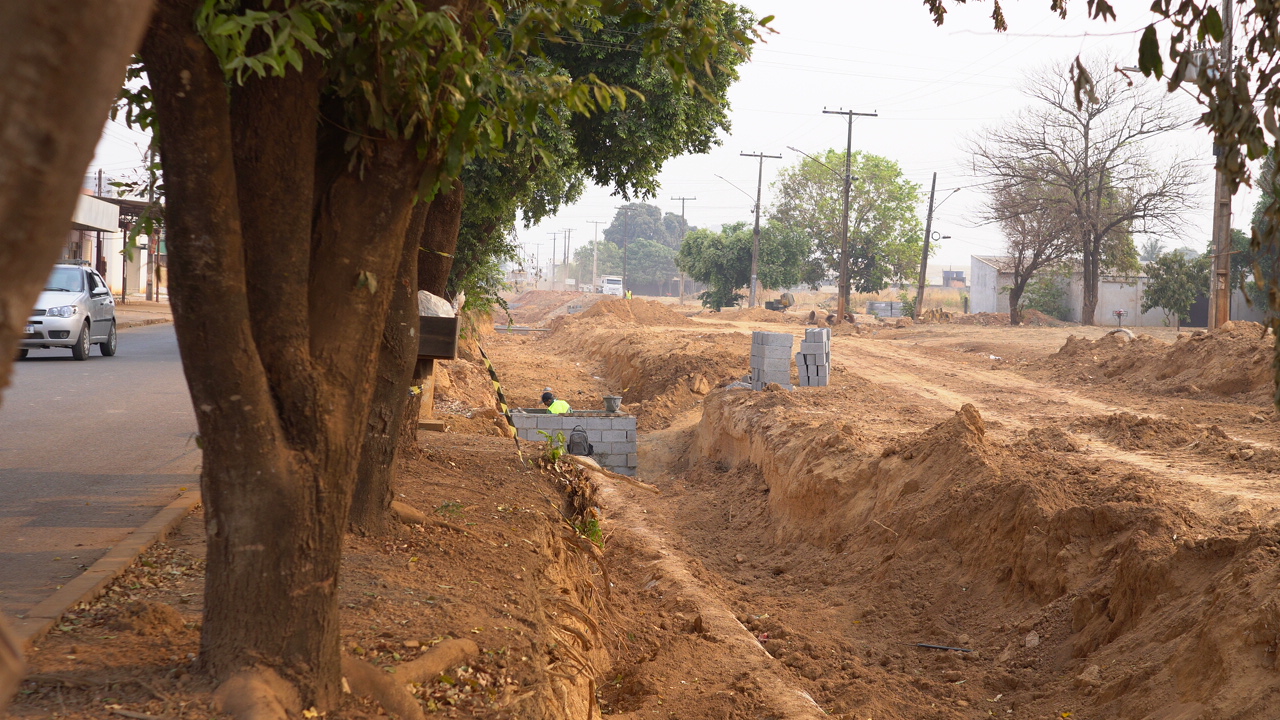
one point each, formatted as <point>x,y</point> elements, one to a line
<point>933,87</point>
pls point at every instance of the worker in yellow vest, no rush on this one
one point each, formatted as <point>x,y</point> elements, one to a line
<point>554,406</point>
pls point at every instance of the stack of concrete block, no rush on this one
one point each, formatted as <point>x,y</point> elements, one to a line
<point>612,435</point>
<point>814,359</point>
<point>771,359</point>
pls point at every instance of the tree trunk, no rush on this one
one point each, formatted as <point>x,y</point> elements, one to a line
<point>436,248</point>
<point>280,377</point>
<point>59,73</point>
<point>1092,268</point>
<point>397,356</point>
<point>1015,300</point>
<point>440,240</point>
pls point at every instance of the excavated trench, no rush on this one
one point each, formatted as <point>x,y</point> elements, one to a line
<point>1094,589</point>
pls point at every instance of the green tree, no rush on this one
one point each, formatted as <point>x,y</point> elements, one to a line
<point>885,234</point>
<point>607,258</point>
<point>637,221</point>
<point>1174,282</point>
<point>722,260</point>
<point>296,140</point>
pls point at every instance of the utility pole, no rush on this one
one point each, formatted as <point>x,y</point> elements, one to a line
<point>685,227</point>
<point>842,303</point>
<point>1220,291</point>
<point>152,244</point>
<point>595,251</point>
<point>755,234</point>
<point>567,233</point>
<point>924,255</point>
<point>100,255</point>
<point>553,260</point>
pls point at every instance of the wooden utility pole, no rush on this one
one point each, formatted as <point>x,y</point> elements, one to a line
<point>842,303</point>
<point>755,235</point>
<point>684,226</point>
<point>1220,284</point>
<point>567,234</point>
<point>924,255</point>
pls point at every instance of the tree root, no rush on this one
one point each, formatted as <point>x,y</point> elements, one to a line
<point>437,659</point>
<point>389,690</point>
<point>592,466</point>
<point>257,694</point>
<point>410,515</point>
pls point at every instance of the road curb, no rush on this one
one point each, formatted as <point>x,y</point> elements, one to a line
<point>92,582</point>
<point>141,323</point>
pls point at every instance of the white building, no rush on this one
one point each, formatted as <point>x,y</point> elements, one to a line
<point>990,277</point>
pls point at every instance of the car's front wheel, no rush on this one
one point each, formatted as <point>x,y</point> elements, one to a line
<point>108,348</point>
<point>80,351</point>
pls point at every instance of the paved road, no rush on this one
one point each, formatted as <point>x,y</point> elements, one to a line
<point>88,452</point>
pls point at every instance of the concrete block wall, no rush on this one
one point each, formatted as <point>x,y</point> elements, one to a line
<point>814,358</point>
<point>613,436</point>
<point>771,359</point>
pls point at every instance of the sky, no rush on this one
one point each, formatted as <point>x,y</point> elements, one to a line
<point>933,88</point>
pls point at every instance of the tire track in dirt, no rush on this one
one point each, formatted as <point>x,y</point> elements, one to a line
<point>936,379</point>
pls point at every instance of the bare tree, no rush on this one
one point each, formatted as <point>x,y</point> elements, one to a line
<point>1094,162</point>
<point>1040,231</point>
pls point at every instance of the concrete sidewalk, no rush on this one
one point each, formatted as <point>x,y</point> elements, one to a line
<point>139,311</point>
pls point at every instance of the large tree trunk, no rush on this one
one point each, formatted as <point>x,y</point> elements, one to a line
<point>1092,267</point>
<point>371,505</point>
<point>1015,300</point>
<point>280,376</point>
<point>440,240</point>
<point>61,65</point>
<point>436,249</point>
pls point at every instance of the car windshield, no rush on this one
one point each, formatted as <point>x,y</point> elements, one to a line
<point>67,279</point>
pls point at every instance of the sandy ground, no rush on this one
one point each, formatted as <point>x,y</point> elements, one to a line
<point>1088,521</point>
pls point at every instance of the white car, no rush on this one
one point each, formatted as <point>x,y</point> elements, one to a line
<point>76,310</point>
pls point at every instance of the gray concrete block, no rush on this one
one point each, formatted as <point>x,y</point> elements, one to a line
<point>770,365</point>
<point>770,351</point>
<point>628,471</point>
<point>524,420</point>
<point>785,340</point>
<point>528,434</point>
<point>633,460</point>
<point>623,423</point>
<point>594,436</point>
<point>625,447</point>
<point>600,449</point>
<point>597,423</point>
<point>613,435</point>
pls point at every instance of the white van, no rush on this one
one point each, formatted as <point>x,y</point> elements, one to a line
<point>611,285</point>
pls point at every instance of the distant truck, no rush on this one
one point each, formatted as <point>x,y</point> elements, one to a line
<point>611,285</point>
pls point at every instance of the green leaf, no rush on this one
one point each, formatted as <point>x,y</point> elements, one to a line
<point>1149,59</point>
<point>1211,24</point>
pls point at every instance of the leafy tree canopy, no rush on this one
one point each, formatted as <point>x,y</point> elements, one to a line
<point>635,221</point>
<point>1174,282</point>
<point>885,234</point>
<point>722,260</point>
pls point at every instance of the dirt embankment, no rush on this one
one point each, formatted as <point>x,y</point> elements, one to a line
<point>537,307</point>
<point>1235,359</point>
<point>1082,588</point>
<point>658,372</point>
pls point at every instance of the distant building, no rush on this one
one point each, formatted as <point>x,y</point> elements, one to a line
<point>991,276</point>
<point>953,279</point>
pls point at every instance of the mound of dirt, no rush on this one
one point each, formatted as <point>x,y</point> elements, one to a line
<point>1076,584</point>
<point>537,307</point>
<point>1235,359</point>
<point>982,318</point>
<point>1050,439</point>
<point>1038,319</point>
<point>639,312</point>
<point>1143,432</point>
<point>754,315</point>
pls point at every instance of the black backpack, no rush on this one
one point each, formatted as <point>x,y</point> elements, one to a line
<point>578,443</point>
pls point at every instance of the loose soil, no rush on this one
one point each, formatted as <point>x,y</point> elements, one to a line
<point>1089,536</point>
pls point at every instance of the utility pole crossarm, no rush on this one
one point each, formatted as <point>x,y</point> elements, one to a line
<point>755,235</point>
